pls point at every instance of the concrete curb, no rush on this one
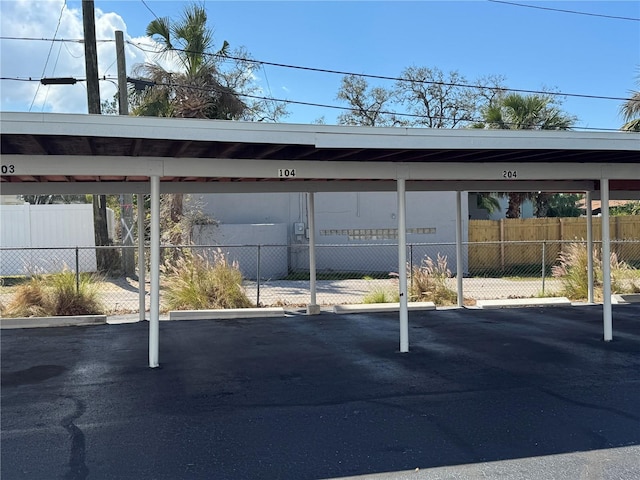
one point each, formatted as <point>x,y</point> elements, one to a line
<point>524,302</point>
<point>226,313</point>
<point>43,322</point>
<point>381,307</point>
<point>624,298</point>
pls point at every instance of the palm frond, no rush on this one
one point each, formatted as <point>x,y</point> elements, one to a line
<point>631,108</point>
<point>160,30</point>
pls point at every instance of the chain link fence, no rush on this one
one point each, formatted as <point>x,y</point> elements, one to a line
<point>278,275</point>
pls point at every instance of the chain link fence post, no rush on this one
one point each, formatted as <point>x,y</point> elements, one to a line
<point>77,271</point>
<point>258,277</point>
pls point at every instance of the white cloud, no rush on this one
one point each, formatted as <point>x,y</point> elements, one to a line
<point>22,58</point>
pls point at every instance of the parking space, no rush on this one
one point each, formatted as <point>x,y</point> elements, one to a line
<point>480,393</point>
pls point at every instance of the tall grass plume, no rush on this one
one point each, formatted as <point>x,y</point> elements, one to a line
<point>429,282</point>
<point>199,282</point>
<point>572,271</point>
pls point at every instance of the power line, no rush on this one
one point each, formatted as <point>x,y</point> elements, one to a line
<point>149,8</point>
<point>44,69</point>
<point>385,77</point>
<point>575,12</point>
<point>303,103</point>
<point>338,107</point>
<point>363,75</point>
<point>36,39</point>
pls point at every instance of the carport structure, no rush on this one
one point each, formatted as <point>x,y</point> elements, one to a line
<point>65,154</point>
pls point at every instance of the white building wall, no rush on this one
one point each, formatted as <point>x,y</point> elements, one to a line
<point>241,243</point>
<point>349,220</point>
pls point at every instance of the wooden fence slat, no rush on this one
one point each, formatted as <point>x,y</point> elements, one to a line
<point>504,255</point>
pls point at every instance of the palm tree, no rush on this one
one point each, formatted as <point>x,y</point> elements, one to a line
<point>631,111</point>
<point>519,112</point>
<point>531,112</point>
<point>197,89</point>
<point>488,202</point>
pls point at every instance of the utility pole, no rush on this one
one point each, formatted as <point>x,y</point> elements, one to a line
<point>126,199</point>
<point>93,100</point>
<point>91,56</point>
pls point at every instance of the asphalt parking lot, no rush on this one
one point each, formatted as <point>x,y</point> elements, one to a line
<point>517,393</point>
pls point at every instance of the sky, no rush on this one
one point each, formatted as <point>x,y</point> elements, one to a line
<point>532,48</point>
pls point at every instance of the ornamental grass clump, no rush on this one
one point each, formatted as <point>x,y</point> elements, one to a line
<point>58,294</point>
<point>429,282</point>
<point>573,273</point>
<point>197,282</point>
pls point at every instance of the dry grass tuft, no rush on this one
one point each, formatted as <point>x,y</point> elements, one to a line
<point>195,282</point>
<point>56,295</point>
<point>429,282</point>
<point>572,271</point>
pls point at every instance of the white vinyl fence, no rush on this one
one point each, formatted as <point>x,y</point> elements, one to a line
<point>34,226</point>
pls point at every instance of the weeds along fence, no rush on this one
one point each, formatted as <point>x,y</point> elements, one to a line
<point>278,275</point>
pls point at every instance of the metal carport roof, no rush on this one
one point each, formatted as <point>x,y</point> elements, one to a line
<point>196,153</point>
<point>64,153</point>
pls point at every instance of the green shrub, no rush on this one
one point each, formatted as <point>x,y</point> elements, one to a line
<point>382,295</point>
<point>56,295</point>
<point>194,282</point>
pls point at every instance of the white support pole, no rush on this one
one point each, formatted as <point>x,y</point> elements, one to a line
<point>588,203</point>
<point>402,266</point>
<point>606,261</point>
<point>142,265</point>
<point>459,259</point>
<point>312,308</point>
<point>154,313</point>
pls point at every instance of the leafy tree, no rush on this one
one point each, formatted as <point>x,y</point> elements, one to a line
<point>432,98</point>
<point>110,107</point>
<point>564,205</point>
<point>630,208</point>
<point>368,104</point>
<point>525,112</point>
<point>55,199</point>
<point>443,101</point>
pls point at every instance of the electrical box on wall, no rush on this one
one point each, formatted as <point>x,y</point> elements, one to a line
<point>298,228</point>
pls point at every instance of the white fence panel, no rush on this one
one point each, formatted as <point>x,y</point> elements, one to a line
<point>46,226</point>
<point>15,231</point>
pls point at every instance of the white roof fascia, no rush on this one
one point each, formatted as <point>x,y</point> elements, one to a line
<point>320,136</point>
<point>108,188</point>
